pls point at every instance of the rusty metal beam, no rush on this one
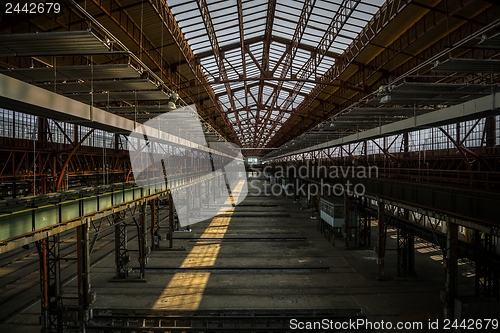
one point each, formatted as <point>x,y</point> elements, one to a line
<point>424,25</point>
<point>218,55</point>
<point>280,80</point>
<point>271,9</point>
<point>385,15</point>
<point>338,21</point>
<point>168,19</point>
<point>242,50</point>
<point>346,8</point>
<point>66,162</point>
<point>287,62</point>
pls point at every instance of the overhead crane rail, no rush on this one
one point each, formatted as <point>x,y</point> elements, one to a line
<point>26,220</point>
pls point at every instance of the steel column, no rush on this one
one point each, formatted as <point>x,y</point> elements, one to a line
<point>402,250</point>
<point>170,220</point>
<point>155,224</point>
<point>364,224</point>
<point>347,219</point>
<point>83,254</point>
<point>50,280</point>
<point>121,253</point>
<point>381,239</point>
<point>411,253</point>
<point>451,269</point>
<point>141,239</point>
<point>487,271</point>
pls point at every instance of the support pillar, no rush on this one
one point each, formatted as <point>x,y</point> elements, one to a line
<point>122,257</point>
<point>411,253</point>
<point>189,199</point>
<point>364,224</point>
<point>406,248</point>
<point>295,182</point>
<point>402,250</point>
<point>83,254</point>
<point>450,292</point>
<point>155,225</point>
<point>141,239</point>
<point>381,240</point>
<point>171,220</point>
<point>50,280</point>
<point>347,219</point>
<point>487,270</point>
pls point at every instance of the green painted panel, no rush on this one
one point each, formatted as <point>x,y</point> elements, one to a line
<point>46,216</point>
<point>129,194</point>
<point>137,193</point>
<point>90,205</point>
<point>70,210</point>
<point>104,201</point>
<point>15,224</point>
<point>117,197</point>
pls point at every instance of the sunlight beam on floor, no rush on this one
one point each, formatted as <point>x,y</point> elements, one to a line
<point>185,290</point>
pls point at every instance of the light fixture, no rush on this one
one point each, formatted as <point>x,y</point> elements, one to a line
<point>171,105</point>
<point>174,96</point>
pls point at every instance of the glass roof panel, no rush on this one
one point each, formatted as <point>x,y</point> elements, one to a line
<point>278,84</point>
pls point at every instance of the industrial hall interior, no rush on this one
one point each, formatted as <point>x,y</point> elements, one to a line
<point>249,166</point>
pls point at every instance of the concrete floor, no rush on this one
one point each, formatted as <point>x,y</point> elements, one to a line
<point>268,254</point>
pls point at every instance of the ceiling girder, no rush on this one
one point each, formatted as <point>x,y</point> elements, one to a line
<point>219,56</point>
<point>173,28</point>
<point>344,12</point>
<point>289,55</point>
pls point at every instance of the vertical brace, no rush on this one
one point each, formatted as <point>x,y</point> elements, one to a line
<point>121,253</point>
<point>411,253</point>
<point>83,255</point>
<point>381,239</point>
<point>451,269</point>
<point>364,224</point>
<point>170,219</point>
<point>347,219</point>
<point>50,280</point>
<point>487,271</point>
<point>155,224</point>
<point>141,239</point>
<point>402,249</point>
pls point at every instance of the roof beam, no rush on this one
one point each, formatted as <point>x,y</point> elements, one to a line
<point>291,51</point>
<point>219,56</point>
<point>242,47</point>
<point>271,9</point>
<point>173,28</point>
<point>383,17</point>
<point>339,83</point>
